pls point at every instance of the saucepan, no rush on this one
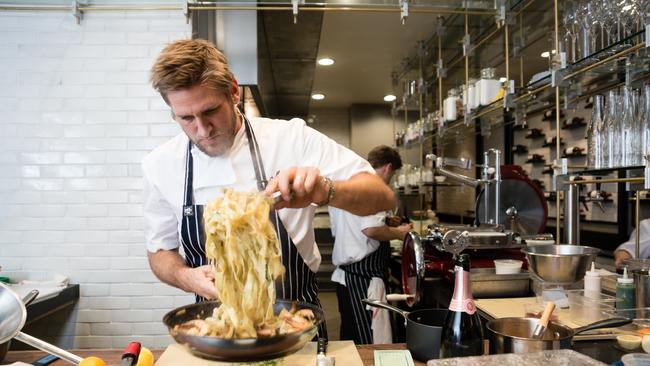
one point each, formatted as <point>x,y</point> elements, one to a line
<point>514,335</point>
<point>13,315</point>
<point>240,349</point>
<point>423,329</point>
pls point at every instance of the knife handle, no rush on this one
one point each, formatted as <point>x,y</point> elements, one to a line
<point>321,346</point>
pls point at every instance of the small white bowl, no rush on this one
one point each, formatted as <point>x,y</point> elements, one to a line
<point>439,178</point>
<point>507,266</point>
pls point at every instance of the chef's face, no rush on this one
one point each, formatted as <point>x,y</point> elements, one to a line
<point>207,116</point>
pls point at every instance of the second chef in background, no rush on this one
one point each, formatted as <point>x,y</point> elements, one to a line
<point>361,253</point>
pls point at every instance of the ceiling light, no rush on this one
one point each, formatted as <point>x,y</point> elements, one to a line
<point>318,96</point>
<point>389,98</point>
<point>326,61</point>
<point>546,54</point>
<point>503,79</point>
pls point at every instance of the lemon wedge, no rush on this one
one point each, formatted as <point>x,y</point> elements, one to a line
<point>145,358</point>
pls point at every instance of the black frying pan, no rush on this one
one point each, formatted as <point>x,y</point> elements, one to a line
<point>240,349</point>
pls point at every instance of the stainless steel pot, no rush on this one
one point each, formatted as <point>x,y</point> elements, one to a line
<point>423,329</point>
<point>12,319</point>
<point>514,335</point>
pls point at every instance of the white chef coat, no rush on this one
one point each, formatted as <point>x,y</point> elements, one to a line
<point>350,243</point>
<point>644,241</point>
<point>283,144</point>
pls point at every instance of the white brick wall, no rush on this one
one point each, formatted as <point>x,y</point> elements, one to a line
<point>78,115</point>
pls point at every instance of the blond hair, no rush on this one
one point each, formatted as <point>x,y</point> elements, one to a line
<point>190,62</point>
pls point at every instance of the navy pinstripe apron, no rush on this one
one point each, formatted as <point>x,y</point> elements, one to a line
<point>299,282</point>
<point>357,281</point>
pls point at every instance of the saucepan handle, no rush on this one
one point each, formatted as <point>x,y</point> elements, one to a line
<point>383,305</point>
<point>44,346</point>
<point>399,297</point>
<point>607,323</point>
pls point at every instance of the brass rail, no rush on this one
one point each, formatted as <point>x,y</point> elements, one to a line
<point>608,180</point>
<point>396,9</point>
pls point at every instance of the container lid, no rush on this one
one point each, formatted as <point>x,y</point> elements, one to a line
<point>592,272</point>
<point>625,278</point>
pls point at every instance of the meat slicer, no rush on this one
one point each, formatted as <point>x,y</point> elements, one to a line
<point>510,210</point>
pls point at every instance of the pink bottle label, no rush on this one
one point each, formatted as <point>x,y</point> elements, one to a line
<point>462,299</point>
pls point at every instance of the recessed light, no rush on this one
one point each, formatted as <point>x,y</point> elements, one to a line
<point>546,54</point>
<point>389,98</point>
<point>318,96</point>
<point>326,61</point>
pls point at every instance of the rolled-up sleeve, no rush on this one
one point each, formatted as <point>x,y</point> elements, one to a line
<point>160,222</point>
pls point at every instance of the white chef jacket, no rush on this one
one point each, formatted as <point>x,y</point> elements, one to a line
<point>350,243</point>
<point>283,144</point>
<point>644,241</point>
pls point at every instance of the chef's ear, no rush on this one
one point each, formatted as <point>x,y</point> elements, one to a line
<point>234,92</point>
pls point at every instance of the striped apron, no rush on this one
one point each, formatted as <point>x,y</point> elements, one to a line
<point>299,282</point>
<point>357,281</point>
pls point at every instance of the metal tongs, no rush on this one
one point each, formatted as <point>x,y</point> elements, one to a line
<point>321,359</point>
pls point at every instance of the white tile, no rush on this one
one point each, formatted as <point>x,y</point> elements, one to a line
<point>127,130</point>
<point>84,131</point>
<point>132,316</point>
<point>119,157</point>
<point>106,197</point>
<point>42,184</point>
<point>90,315</point>
<point>131,289</point>
<point>95,290</point>
<point>93,342</point>
<point>104,38</point>
<point>132,236</point>
<point>111,329</point>
<point>118,170</point>
<point>125,210</point>
<point>81,236</point>
<point>105,91</point>
<point>152,302</point>
<point>105,144</point>
<point>86,210</point>
<point>84,158</point>
<point>128,104</point>
<point>108,223</point>
<point>61,171</point>
<point>125,183</point>
<point>151,328</point>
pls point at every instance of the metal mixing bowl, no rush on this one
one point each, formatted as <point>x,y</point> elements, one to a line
<point>560,263</point>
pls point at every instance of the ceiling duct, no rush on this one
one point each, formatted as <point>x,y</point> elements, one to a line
<point>268,53</point>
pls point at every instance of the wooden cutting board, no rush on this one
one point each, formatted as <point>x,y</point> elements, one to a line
<point>345,352</point>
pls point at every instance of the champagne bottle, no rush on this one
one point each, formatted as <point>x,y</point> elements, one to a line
<point>462,333</point>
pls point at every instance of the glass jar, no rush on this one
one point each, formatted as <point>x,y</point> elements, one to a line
<point>450,111</point>
<point>488,86</point>
<point>471,94</point>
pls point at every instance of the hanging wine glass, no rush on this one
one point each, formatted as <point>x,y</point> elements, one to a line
<point>570,23</point>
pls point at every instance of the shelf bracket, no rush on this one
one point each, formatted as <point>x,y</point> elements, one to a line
<point>294,9</point>
<point>76,12</point>
<point>441,72</point>
<point>187,12</point>
<point>500,17</point>
<point>560,174</point>
<point>468,50</point>
<point>440,26</point>
<point>404,10</point>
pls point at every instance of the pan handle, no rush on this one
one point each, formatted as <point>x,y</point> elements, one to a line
<point>44,346</point>
<point>607,323</point>
<point>383,305</point>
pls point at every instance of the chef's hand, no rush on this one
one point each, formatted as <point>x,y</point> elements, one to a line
<point>404,229</point>
<point>620,256</point>
<point>299,187</point>
<point>200,280</point>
